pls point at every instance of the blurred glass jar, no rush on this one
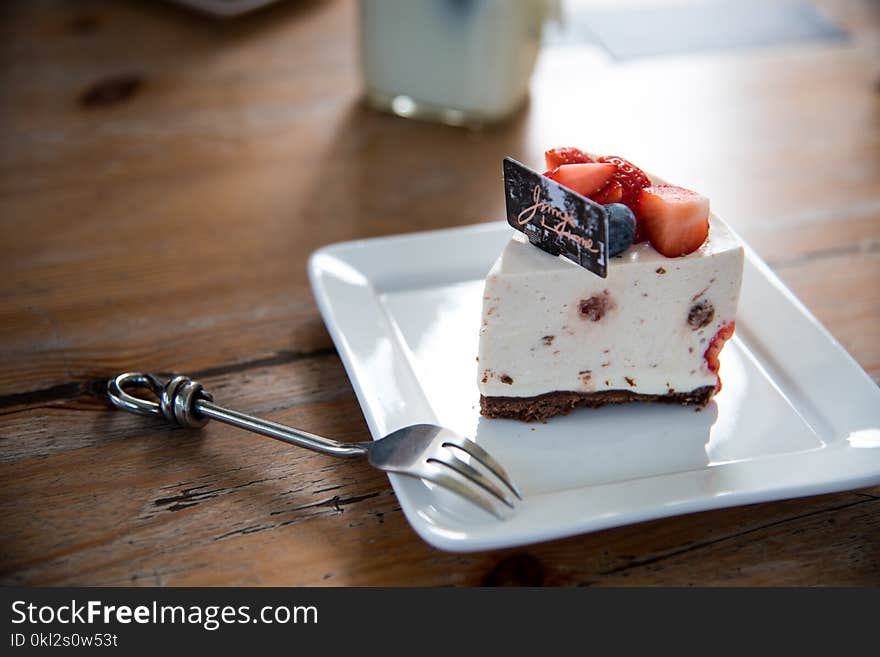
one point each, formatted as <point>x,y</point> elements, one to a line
<point>461,62</point>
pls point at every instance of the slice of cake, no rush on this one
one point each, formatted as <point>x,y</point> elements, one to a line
<point>556,336</point>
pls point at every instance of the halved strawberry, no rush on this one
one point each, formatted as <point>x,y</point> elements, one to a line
<point>714,348</point>
<point>630,178</point>
<point>565,155</point>
<point>674,219</point>
<point>585,178</point>
<point>610,193</point>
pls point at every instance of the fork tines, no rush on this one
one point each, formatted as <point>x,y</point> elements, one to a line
<point>447,460</point>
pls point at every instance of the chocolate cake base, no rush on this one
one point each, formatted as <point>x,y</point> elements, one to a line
<point>541,407</point>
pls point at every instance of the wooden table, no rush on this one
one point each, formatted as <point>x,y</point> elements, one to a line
<point>165,177</point>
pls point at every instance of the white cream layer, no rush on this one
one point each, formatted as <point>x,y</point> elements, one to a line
<point>534,338</point>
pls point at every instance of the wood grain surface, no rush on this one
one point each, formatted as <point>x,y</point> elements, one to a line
<point>164,178</point>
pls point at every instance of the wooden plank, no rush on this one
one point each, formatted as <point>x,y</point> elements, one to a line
<point>843,292</point>
<point>63,426</point>
<point>831,261</point>
<point>813,237</point>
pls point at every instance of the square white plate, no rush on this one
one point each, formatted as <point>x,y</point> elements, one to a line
<point>797,416</point>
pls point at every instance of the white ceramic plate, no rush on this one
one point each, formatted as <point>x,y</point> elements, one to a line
<point>797,416</point>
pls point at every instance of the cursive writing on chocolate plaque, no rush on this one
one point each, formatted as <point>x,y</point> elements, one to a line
<point>556,219</point>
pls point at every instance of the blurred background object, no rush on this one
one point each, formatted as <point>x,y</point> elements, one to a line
<point>630,29</point>
<point>455,61</point>
<point>469,62</point>
<point>226,8</point>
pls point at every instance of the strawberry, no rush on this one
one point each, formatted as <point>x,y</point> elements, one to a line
<point>714,348</point>
<point>610,193</point>
<point>674,219</point>
<point>584,178</point>
<point>629,177</point>
<point>565,155</point>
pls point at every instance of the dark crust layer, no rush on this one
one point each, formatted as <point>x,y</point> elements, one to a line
<point>541,407</point>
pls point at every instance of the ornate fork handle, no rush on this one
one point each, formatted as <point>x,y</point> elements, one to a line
<point>185,403</point>
<point>425,451</point>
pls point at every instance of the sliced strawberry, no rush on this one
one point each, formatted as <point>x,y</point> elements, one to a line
<point>585,179</point>
<point>674,219</point>
<point>714,348</point>
<point>610,193</point>
<point>565,155</point>
<point>630,178</point>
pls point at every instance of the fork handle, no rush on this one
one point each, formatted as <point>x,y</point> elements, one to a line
<point>185,403</point>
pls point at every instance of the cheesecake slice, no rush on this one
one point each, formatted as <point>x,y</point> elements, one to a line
<point>554,336</point>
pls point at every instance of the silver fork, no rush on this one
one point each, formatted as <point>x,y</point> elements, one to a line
<point>425,451</point>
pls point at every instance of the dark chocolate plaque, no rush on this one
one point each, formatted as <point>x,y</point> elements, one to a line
<point>556,219</point>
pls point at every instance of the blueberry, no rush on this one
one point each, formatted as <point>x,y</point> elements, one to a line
<point>621,228</point>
